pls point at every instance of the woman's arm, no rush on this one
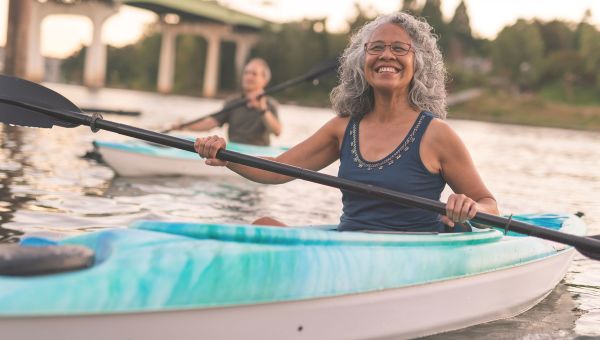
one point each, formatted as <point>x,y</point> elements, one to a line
<point>205,124</point>
<point>272,122</point>
<point>314,153</point>
<point>444,152</point>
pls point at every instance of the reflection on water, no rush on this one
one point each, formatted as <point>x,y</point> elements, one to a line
<point>540,322</point>
<point>46,188</point>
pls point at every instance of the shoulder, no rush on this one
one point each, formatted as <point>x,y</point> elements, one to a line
<point>442,137</point>
<point>335,127</point>
<point>439,128</point>
<point>338,126</point>
<point>338,123</point>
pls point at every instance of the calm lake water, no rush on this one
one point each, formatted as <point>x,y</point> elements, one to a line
<point>46,188</point>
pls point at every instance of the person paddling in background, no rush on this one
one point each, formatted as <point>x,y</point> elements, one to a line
<point>254,123</point>
<point>389,131</point>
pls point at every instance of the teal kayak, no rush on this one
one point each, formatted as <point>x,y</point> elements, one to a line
<point>138,158</point>
<point>155,280</point>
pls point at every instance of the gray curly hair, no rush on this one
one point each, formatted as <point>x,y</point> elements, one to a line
<point>354,96</point>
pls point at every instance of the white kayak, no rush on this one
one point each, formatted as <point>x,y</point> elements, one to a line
<point>138,158</point>
<point>169,280</point>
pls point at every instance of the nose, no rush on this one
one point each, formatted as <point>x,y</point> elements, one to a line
<point>387,52</point>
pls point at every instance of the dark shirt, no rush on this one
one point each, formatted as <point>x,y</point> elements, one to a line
<point>402,170</point>
<point>247,125</point>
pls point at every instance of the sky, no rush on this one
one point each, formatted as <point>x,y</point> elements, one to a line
<point>61,34</point>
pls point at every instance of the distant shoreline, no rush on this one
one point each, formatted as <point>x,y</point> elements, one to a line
<point>473,104</point>
<point>528,110</point>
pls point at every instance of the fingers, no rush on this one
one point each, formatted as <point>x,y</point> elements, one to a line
<point>207,147</point>
<point>459,208</point>
<point>257,100</point>
<point>447,221</point>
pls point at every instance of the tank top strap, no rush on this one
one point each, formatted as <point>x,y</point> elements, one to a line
<point>422,123</point>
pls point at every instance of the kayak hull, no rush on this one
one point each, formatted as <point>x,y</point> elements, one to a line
<point>135,158</point>
<point>174,280</point>
<point>400,313</point>
<point>131,164</point>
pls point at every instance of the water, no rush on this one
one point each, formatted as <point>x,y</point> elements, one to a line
<point>47,189</point>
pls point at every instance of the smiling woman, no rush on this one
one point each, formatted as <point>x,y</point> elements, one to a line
<point>388,132</point>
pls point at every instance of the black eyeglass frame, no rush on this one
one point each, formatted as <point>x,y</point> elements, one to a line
<point>391,49</point>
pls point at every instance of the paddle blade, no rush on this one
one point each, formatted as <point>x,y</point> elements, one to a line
<point>591,254</point>
<point>15,91</point>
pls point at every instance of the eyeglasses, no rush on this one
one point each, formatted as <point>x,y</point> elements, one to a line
<point>398,48</point>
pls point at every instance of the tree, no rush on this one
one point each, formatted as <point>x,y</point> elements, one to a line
<point>432,12</point>
<point>557,36</point>
<point>589,49</point>
<point>461,38</point>
<point>518,53</point>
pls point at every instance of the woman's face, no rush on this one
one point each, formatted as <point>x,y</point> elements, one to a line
<point>386,70</point>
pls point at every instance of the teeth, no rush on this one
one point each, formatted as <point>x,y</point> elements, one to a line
<point>386,69</point>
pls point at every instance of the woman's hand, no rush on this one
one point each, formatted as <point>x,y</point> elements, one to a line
<point>207,147</point>
<point>459,208</point>
<point>257,100</point>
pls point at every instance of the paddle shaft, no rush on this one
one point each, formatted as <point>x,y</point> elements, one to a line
<point>279,87</point>
<point>582,243</point>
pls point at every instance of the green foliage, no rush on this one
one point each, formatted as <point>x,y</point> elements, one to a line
<point>228,77</point>
<point>558,91</point>
<point>294,50</point>
<point>461,42</point>
<point>134,66</point>
<point>432,12</point>
<point>589,49</point>
<point>189,64</point>
<point>557,36</point>
<point>518,53</point>
<point>72,67</point>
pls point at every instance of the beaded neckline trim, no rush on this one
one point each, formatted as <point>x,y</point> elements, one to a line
<point>387,161</point>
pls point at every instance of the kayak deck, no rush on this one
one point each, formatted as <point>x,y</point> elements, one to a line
<point>136,158</point>
<point>156,266</point>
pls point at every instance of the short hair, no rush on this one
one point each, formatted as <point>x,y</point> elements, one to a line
<point>265,67</point>
<point>427,90</point>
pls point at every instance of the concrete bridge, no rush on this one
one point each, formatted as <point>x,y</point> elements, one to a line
<point>207,19</point>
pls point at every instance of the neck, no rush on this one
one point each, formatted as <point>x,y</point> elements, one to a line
<point>253,91</point>
<point>392,107</point>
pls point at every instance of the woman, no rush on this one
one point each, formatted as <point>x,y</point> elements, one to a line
<point>389,132</point>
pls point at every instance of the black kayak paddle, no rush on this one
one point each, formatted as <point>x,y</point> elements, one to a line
<point>28,104</point>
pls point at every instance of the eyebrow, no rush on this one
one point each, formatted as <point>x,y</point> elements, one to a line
<point>395,41</point>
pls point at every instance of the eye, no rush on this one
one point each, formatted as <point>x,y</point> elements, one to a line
<point>400,47</point>
<point>376,47</point>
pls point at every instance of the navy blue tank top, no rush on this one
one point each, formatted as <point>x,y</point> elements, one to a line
<point>402,170</point>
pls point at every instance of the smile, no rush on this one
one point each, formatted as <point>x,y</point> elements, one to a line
<point>387,69</point>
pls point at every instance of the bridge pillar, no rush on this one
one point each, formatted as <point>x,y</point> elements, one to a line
<point>34,69</point>
<point>95,59</point>
<point>243,46</point>
<point>211,70</point>
<point>166,67</point>
<point>94,73</point>
<point>214,34</point>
